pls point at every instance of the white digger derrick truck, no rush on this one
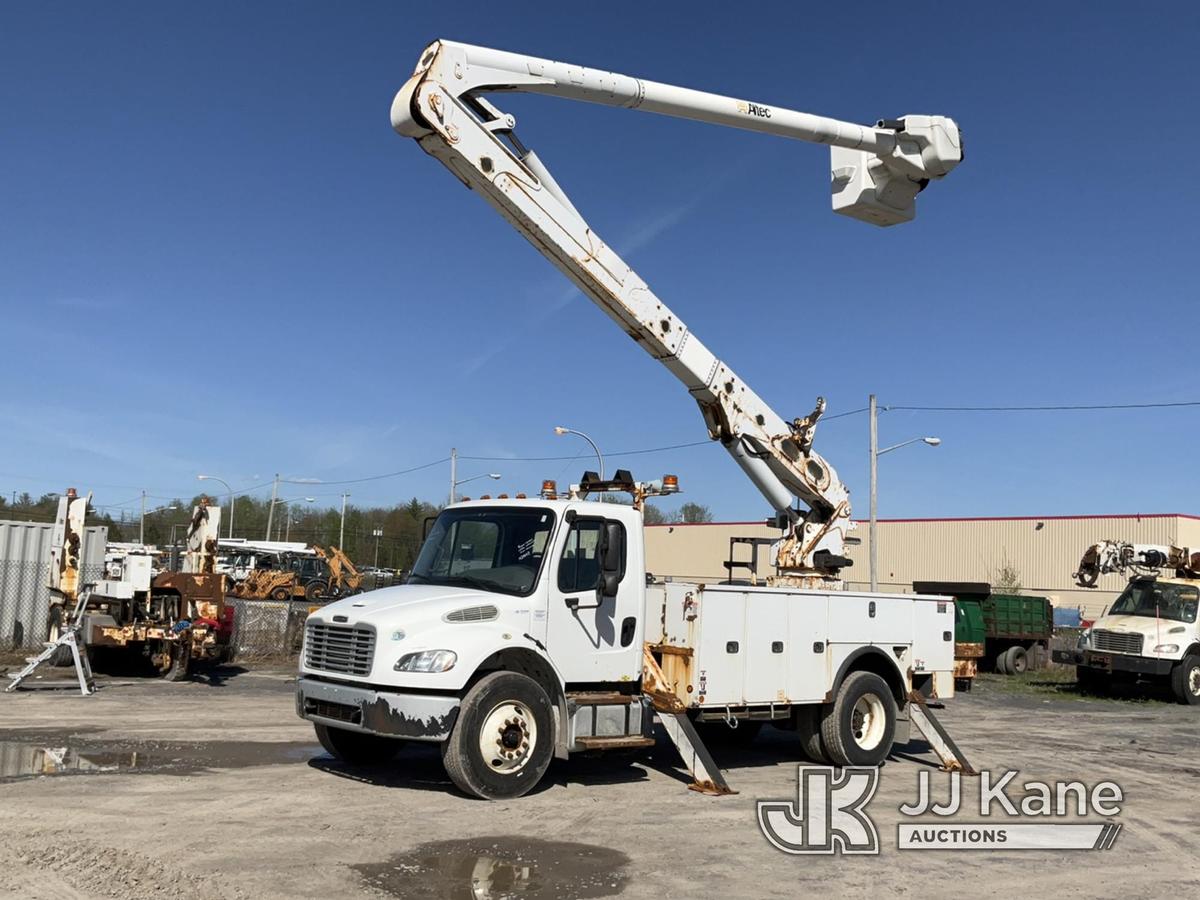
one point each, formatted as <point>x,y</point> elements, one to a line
<point>527,629</point>
<point>1151,631</point>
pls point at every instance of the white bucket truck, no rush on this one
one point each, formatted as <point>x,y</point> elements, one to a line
<point>527,628</point>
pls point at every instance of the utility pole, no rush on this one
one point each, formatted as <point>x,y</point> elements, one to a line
<point>271,508</point>
<point>378,532</point>
<point>342,529</point>
<point>873,411</point>
<point>142,527</point>
<point>453,472</point>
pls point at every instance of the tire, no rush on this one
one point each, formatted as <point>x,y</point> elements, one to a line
<point>1091,681</point>
<point>859,726</point>
<point>356,748</point>
<point>1002,662</point>
<point>1185,681</point>
<point>511,712</point>
<point>1016,661</point>
<point>181,663</point>
<point>62,656</point>
<point>808,727</point>
<point>280,594</point>
<point>314,590</point>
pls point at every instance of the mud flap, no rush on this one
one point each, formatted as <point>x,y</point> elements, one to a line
<point>706,777</point>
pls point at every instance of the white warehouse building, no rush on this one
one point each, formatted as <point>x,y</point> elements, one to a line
<point>1042,551</point>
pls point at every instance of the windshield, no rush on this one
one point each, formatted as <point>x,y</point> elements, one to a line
<point>1164,601</point>
<point>492,548</point>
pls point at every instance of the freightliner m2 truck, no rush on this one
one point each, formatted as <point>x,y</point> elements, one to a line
<point>527,629</point>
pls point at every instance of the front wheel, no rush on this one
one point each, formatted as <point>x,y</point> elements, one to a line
<point>180,668</point>
<point>357,748</point>
<point>808,729</point>
<point>859,726</point>
<point>503,739</point>
<point>62,656</point>
<point>1185,681</point>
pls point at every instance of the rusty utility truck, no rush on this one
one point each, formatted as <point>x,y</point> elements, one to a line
<point>172,619</point>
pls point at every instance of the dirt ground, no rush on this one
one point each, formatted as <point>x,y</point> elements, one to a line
<point>214,789</point>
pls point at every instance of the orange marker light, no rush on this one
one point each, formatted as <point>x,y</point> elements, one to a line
<point>670,483</point>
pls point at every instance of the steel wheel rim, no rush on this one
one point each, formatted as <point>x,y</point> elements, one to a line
<point>868,721</point>
<point>1194,681</point>
<point>507,737</point>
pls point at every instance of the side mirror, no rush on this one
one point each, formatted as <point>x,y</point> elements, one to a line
<point>608,584</point>
<point>612,548</point>
<point>429,520</point>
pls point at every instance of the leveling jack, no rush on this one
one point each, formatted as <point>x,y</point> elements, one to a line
<point>68,637</point>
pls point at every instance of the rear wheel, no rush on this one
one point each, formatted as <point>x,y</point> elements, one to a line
<point>859,726</point>
<point>503,739</point>
<point>1185,680</point>
<point>280,593</point>
<point>356,748</point>
<point>62,656</point>
<point>314,590</point>
<point>1016,661</point>
<point>808,727</point>
<point>181,662</point>
<point>1002,663</point>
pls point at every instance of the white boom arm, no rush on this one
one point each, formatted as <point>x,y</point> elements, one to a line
<point>877,172</point>
<point>1108,557</point>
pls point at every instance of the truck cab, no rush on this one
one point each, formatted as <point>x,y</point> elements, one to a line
<point>1150,632</point>
<point>533,601</point>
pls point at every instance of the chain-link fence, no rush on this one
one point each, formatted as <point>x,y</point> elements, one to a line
<point>267,629</point>
<point>25,601</point>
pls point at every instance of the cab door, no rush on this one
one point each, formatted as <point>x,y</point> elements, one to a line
<point>592,627</point>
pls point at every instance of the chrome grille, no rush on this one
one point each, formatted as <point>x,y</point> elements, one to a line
<point>1117,641</point>
<point>345,649</point>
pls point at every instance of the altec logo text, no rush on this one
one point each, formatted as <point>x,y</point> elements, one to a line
<point>753,109</point>
<point>829,815</point>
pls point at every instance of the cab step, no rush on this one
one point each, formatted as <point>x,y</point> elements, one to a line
<point>602,698</point>
<point>615,742</point>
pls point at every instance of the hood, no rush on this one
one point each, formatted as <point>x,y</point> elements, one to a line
<point>1147,626</point>
<point>406,603</point>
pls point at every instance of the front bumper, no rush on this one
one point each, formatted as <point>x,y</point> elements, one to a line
<point>416,717</point>
<point>1114,662</point>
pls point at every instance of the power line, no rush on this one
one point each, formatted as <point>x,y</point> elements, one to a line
<point>1062,408</point>
<point>607,454</point>
<point>428,465</point>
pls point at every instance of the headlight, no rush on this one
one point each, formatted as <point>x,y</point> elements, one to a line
<point>427,661</point>
<point>1167,648</point>
<point>1083,638</point>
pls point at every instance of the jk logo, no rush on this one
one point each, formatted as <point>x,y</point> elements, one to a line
<point>827,815</point>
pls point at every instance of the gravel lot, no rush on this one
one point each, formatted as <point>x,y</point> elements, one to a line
<point>214,789</point>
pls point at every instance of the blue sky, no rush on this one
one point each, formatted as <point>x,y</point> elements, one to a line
<point>216,256</point>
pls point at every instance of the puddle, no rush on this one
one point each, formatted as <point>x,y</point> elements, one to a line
<point>34,754</point>
<point>500,868</point>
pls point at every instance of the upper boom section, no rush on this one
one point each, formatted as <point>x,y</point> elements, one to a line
<point>877,171</point>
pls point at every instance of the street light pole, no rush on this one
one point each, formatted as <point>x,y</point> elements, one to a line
<point>229,489</point>
<point>342,528</point>
<point>560,430</point>
<point>453,472</point>
<point>873,410</point>
<point>142,527</point>
<point>271,508</point>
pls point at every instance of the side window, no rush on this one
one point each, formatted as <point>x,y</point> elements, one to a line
<point>579,567</point>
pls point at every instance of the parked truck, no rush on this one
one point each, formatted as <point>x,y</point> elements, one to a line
<point>171,619</point>
<point>1007,633</point>
<point>526,629</point>
<point>1150,633</point>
